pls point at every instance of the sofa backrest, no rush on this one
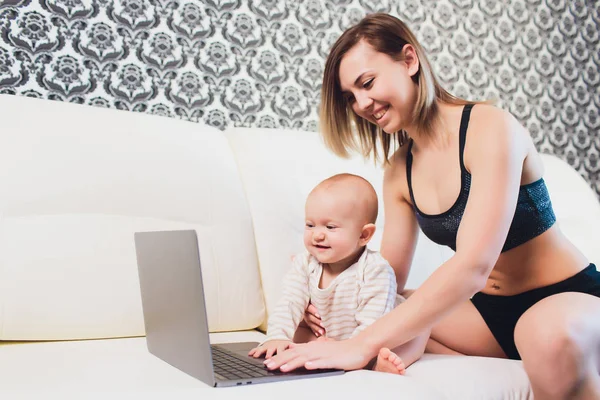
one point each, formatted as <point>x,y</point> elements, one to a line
<point>575,204</point>
<point>280,167</point>
<point>76,182</point>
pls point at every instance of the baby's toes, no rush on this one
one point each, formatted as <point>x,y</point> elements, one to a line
<point>400,366</point>
<point>385,353</point>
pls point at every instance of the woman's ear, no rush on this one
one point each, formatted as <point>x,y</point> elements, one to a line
<point>366,234</point>
<point>411,59</point>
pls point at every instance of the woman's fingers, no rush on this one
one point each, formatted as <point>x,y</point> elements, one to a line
<point>282,348</point>
<point>270,352</point>
<point>296,356</point>
<point>288,358</point>
<point>314,325</point>
<point>293,364</point>
<point>321,363</point>
<point>313,320</point>
<point>311,309</point>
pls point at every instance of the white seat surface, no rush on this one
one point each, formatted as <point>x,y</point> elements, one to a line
<point>123,368</point>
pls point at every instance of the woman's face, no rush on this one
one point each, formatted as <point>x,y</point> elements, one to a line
<point>378,88</point>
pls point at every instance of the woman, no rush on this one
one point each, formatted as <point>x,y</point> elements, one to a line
<point>470,177</point>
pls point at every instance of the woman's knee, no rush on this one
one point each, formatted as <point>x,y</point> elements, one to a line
<point>555,351</point>
<point>552,330</point>
<point>559,350</point>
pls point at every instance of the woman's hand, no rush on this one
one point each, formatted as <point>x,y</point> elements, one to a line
<point>348,355</point>
<point>312,319</point>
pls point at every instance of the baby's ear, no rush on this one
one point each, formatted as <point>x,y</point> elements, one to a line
<point>366,234</point>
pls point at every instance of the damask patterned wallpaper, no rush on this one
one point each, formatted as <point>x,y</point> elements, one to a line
<point>259,62</point>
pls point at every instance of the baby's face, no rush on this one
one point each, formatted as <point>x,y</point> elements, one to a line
<point>333,227</point>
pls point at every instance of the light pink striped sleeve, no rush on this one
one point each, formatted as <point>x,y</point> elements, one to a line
<point>294,299</point>
<point>377,296</point>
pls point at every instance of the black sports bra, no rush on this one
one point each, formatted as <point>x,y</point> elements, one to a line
<point>533,214</point>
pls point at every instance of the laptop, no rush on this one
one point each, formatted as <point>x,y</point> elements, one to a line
<point>175,316</point>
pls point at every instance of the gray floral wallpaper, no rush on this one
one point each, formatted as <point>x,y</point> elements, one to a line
<point>259,62</point>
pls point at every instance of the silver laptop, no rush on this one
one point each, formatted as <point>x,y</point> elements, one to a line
<point>175,316</point>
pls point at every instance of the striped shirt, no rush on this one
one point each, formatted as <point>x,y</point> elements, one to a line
<point>357,297</point>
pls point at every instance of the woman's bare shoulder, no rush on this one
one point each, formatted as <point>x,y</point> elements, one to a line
<point>489,123</point>
<point>493,130</point>
<point>490,113</point>
<point>488,117</point>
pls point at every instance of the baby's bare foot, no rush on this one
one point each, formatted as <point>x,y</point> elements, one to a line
<point>388,361</point>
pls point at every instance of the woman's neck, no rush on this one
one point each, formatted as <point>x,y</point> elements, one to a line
<point>442,128</point>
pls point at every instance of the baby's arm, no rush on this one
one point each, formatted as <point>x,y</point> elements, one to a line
<point>289,310</point>
<point>377,296</point>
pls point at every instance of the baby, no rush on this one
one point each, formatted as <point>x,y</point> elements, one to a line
<point>350,285</point>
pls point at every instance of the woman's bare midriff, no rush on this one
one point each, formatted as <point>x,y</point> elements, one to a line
<point>546,259</point>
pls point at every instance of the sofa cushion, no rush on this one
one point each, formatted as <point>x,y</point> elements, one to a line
<point>123,368</point>
<point>77,182</point>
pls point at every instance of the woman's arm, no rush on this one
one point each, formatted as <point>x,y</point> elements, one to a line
<point>496,152</point>
<point>400,229</point>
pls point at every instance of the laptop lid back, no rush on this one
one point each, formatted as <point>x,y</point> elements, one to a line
<point>173,301</point>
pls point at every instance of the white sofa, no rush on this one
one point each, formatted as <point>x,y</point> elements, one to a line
<point>76,182</point>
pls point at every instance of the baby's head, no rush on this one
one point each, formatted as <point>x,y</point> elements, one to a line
<point>340,217</point>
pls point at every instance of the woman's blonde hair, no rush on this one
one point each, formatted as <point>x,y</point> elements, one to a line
<point>388,35</point>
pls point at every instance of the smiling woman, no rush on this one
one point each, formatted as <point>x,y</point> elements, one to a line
<point>359,55</point>
<point>515,287</point>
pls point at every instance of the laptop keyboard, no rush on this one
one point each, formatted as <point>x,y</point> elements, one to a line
<point>232,366</point>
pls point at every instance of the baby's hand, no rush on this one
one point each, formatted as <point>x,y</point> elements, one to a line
<point>270,348</point>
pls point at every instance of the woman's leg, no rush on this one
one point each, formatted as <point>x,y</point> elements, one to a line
<point>463,331</point>
<point>558,339</point>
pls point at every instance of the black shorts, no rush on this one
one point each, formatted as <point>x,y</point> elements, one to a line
<point>501,313</point>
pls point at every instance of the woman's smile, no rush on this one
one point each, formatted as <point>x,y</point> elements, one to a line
<point>380,113</point>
